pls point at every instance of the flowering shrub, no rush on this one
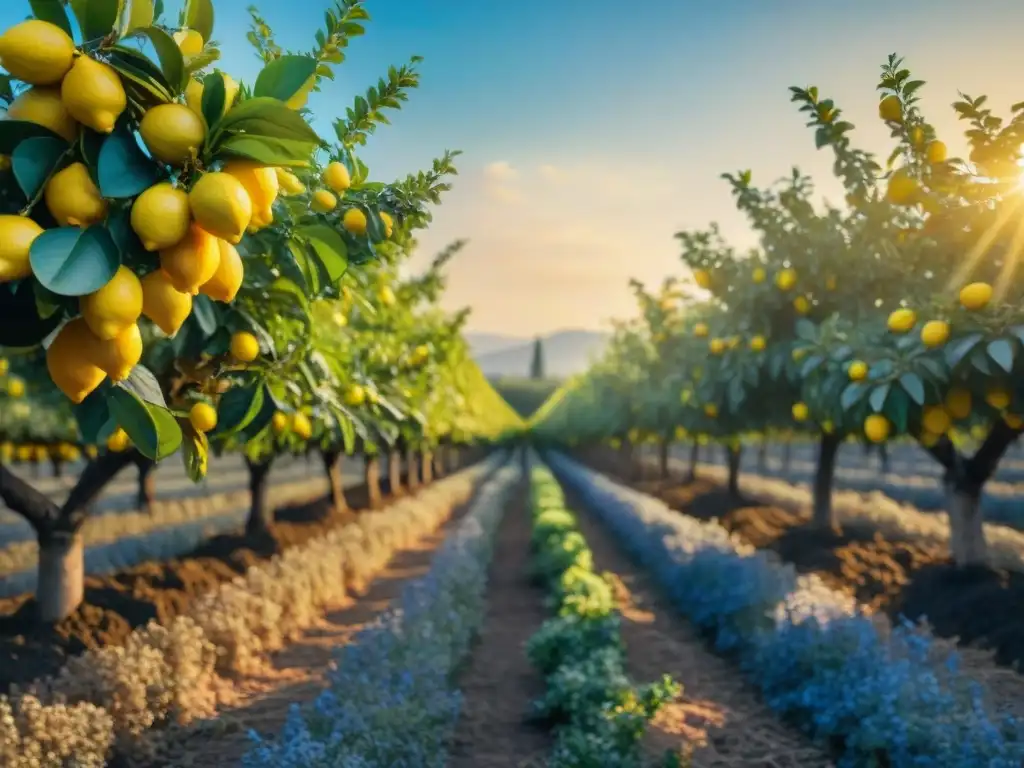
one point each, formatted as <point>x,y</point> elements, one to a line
<point>885,695</point>
<point>598,713</point>
<point>173,674</point>
<point>392,702</point>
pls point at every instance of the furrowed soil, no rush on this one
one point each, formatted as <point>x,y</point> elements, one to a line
<point>115,604</point>
<point>498,684</point>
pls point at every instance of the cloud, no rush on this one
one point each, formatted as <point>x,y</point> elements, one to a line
<point>500,171</point>
<point>500,182</point>
<point>552,174</point>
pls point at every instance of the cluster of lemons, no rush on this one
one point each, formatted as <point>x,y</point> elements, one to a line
<point>903,188</point>
<point>11,386</point>
<point>35,453</point>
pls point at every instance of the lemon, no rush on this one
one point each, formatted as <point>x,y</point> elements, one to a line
<point>323,201</point>
<point>935,419</point>
<point>800,411</point>
<point>194,95</point>
<point>801,305</point>
<point>244,347</point>
<point>386,296</point>
<point>93,94</point>
<point>828,427</point>
<point>354,221</point>
<point>858,370</point>
<point>786,279</point>
<point>161,216</point>
<point>936,152</point>
<point>798,354</point>
<point>336,177</point>
<point>15,388</point>
<point>717,346</point>
<point>203,417</point>
<point>69,360</point>
<point>978,432</point>
<point>226,281</point>
<point>830,283</point>
<point>17,233</point>
<point>702,278</point>
<point>118,441</point>
<point>73,197</point>
<point>43,106</point>
<point>917,135</point>
<point>935,333</point>
<point>711,410</point>
<point>700,330</point>
<point>113,308</point>
<point>389,228</point>
<point>355,395</point>
<point>998,398</point>
<point>260,183</point>
<point>221,206</point>
<point>118,356</point>
<point>164,304</point>
<point>757,343</point>
<point>958,403</point>
<point>340,319</point>
<point>288,182</point>
<point>37,52</point>
<point>902,320</point>
<point>190,43</point>
<point>193,261</point>
<point>298,100</point>
<point>279,423</point>
<point>1013,421</point>
<point>758,275</point>
<point>4,366</point>
<point>890,109</point>
<point>91,452</point>
<point>975,296</point>
<point>173,133</point>
<point>902,189</point>
<point>301,426</point>
<point>876,428</point>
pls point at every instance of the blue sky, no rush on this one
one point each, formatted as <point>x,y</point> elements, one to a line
<point>594,130</point>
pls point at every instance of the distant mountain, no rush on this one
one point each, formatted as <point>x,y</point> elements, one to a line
<point>566,353</point>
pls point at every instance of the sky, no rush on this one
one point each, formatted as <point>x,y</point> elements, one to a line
<point>593,130</point>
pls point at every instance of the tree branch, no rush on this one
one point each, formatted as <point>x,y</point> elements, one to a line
<point>91,482</point>
<point>22,499</point>
<point>985,461</point>
<point>943,452</point>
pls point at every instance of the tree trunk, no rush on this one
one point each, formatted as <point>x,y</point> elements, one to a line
<point>626,456</point>
<point>412,470</point>
<point>883,458</point>
<point>372,475</point>
<point>691,472</point>
<point>787,456</point>
<point>58,466</point>
<point>261,514</point>
<point>395,472</point>
<point>966,532</point>
<point>332,466</point>
<point>823,515</point>
<point>663,446</point>
<point>440,468</point>
<point>427,463</point>
<point>147,484</point>
<point>733,456</point>
<point>453,458</point>
<point>762,457</point>
<point>61,576</point>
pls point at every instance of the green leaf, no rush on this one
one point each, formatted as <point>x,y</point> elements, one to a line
<point>214,98</point>
<point>140,14</point>
<point>288,288</point>
<point>238,406</point>
<point>123,170</point>
<point>100,18</point>
<point>268,151</point>
<point>168,431</point>
<point>152,429</point>
<point>261,420</point>
<point>33,160</point>
<point>92,414</point>
<point>913,386</point>
<point>199,16</point>
<point>246,115</point>
<point>195,451</point>
<point>896,409</point>
<point>21,325</point>
<point>810,365</point>
<point>878,397</point>
<point>143,384</point>
<point>13,132</point>
<point>1001,351</point>
<point>960,348</point>
<point>805,329</point>
<point>171,62</point>
<point>74,262</point>
<point>143,81</point>
<point>852,394</point>
<point>329,247</point>
<point>205,314</point>
<point>284,77</point>
<point>53,12</point>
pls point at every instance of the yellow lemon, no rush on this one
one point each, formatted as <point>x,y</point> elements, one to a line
<point>876,428</point>
<point>902,189</point>
<point>226,281</point>
<point>44,106</point>
<point>902,320</point>
<point>935,419</point>
<point>73,197</point>
<point>800,411</point>
<point>936,152</point>
<point>69,360</point>
<point>244,347</point>
<point>785,279</point>
<point>386,296</point>
<point>700,330</point>
<point>998,397</point>
<point>17,233</point>
<point>702,278</point>
<point>717,346</point>
<point>890,109</point>
<point>935,333</point>
<point>828,427</point>
<point>801,305</point>
<point>118,441</point>
<point>389,228</point>
<point>354,221</point>
<point>757,343</point>
<point>323,201</point>
<point>759,275</point>
<point>830,283</point>
<point>191,262</point>
<point>194,95</point>
<point>958,403</point>
<point>917,135</point>
<point>37,52</point>
<point>288,182</point>
<point>711,410</point>
<point>301,426</point>
<point>336,177</point>
<point>975,296</point>
<point>355,395</point>
<point>4,366</point>
<point>279,422</point>
<point>164,304</point>
<point>113,308</point>
<point>1013,421</point>
<point>221,206</point>
<point>173,133</point>
<point>858,370</point>
<point>93,94</point>
<point>161,216</point>
<point>203,417</point>
<point>119,355</point>
<point>190,43</point>
<point>798,354</point>
<point>15,388</point>
<point>260,182</point>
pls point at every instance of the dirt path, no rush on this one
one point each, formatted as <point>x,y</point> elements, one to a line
<point>297,674</point>
<point>719,715</point>
<point>499,683</point>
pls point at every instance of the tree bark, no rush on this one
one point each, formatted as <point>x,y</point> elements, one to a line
<point>61,576</point>
<point>967,543</point>
<point>733,456</point>
<point>762,457</point>
<point>663,446</point>
<point>412,464</point>
<point>823,515</point>
<point>57,466</point>
<point>453,458</point>
<point>691,472</point>
<point>440,470</point>
<point>147,484</point>
<point>395,472</point>
<point>372,475</point>
<point>261,514</point>
<point>332,466</point>
<point>883,458</point>
<point>787,456</point>
<point>427,459</point>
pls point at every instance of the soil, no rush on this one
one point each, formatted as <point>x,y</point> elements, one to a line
<point>115,604</point>
<point>719,720</point>
<point>498,683</point>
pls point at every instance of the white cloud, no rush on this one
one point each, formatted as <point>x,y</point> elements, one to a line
<point>500,171</point>
<point>552,174</point>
